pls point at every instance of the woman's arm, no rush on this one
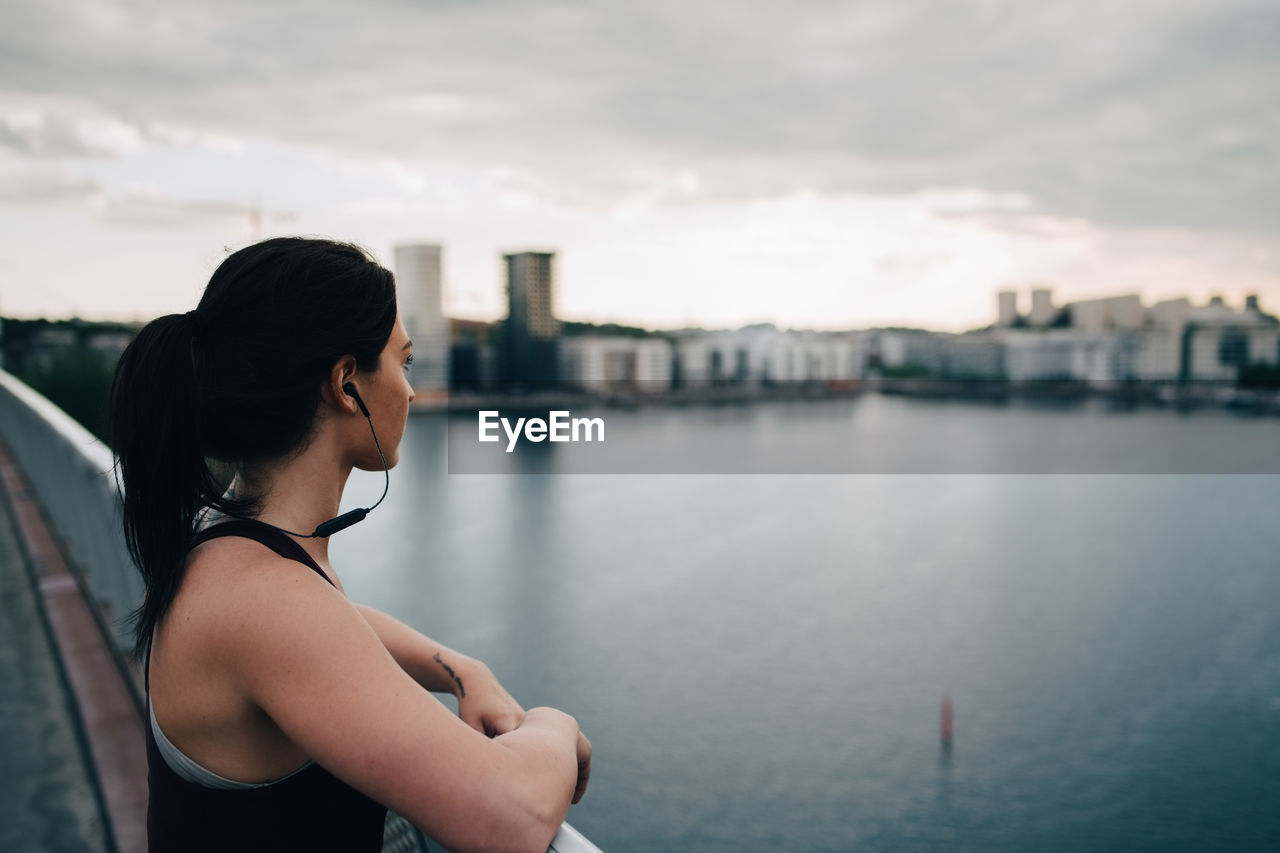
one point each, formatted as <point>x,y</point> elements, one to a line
<point>323,675</point>
<point>483,703</point>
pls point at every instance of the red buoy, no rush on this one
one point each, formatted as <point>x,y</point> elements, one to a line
<point>948,720</point>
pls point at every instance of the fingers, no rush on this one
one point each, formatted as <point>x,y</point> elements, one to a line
<point>492,722</point>
<point>584,774</point>
<point>584,767</point>
<point>489,708</point>
<point>503,722</point>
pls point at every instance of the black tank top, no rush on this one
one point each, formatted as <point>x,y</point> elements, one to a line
<point>310,810</point>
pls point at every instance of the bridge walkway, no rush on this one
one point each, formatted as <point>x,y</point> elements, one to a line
<point>50,796</point>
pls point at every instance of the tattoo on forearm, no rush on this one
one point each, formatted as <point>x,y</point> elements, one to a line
<point>456,680</point>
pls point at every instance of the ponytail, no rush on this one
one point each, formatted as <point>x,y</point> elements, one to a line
<point>155,427</point>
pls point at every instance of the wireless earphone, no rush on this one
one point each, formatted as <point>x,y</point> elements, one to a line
<point>350,388</point>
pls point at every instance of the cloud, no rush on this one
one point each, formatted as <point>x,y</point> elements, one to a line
<point>155,210</point>
<point>27,187</point>
<point>52,137</point>
<point>142,208</point>
<point>1155,113</point>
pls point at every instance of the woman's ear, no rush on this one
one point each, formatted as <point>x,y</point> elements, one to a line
<point>342,372</point>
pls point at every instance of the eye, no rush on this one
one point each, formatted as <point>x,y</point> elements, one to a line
<point>408,361</point>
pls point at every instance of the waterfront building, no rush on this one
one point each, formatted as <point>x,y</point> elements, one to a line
<point>912,352</point>
<point>529,352</point>
<point>616,364</point>
<point>764,355</point>
<point>1159,355</point>
<point>530,293</point>
<point>1068,355</point>
<point>1106,341</point>
<point>832,357</point>
<point>801,356</point>
<point>473,362</point>
<point>773,356</point>
<point>1182,342</point>
<point>1218,341</point>
<point>1042,310</point>
<point>1171,313</point>
<point>729,357</point>
<point>975,355</point>
<point>1037,357</point>
<point>1111,313</point>
<point>1006,308</point>
<point>1159,352</point>
<point>419,292</point>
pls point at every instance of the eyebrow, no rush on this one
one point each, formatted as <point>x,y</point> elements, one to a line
<point>407,345</point>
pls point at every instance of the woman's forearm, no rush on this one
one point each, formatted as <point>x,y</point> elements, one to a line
<point>483,703</point>
<point>433,665</point>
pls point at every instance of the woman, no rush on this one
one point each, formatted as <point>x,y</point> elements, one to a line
<point>282,716</point>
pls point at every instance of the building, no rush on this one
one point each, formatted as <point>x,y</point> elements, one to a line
<point>420,294</point>
<point>1100,342</point>
<point>974,356</point>
<point>804,356</point>
<point>912,352</point>
<point>763,355</point>
<point>717,358</point>
<point>529,350</point>
<point>1213,342</point>
<point>1067,355</point>
<point>473,362</point>
<point>612,364</point>
<point>1218,341</point>
<point>1042,310</point>
<point>530,293</point>
<point>1112,313</point>
<point>1007,308</point>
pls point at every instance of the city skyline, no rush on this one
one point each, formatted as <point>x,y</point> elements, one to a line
<point>802,165</point>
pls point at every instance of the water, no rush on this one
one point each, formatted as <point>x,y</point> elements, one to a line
<point>759,659</point>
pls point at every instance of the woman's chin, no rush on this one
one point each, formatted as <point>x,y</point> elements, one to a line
<point>376,465</point>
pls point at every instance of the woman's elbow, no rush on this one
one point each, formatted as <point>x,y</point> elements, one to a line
<point>528,834</point>
<point>540,821</point>
<point>518,822</point>
<point>538,835</point>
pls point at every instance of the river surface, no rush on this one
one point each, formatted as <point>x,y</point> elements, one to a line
<point>759,659</point>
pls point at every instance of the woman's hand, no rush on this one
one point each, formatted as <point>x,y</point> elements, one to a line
<point>584,767</point>
<point>484,704</point>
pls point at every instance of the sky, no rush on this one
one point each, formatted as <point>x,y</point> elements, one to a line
<point>810,163</point>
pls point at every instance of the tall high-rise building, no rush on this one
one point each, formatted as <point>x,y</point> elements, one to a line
<point>532,329</point>
<point>1042,310</point>
<point>1007,302</point>
<point>420,294</point>
<point>530,283</point>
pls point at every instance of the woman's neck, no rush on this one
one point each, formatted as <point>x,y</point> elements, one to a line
<point>296,495</point>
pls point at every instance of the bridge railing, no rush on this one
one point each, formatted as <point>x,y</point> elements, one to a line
<point>72,474</point>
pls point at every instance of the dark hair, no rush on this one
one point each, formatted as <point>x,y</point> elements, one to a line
<point>237,380</point>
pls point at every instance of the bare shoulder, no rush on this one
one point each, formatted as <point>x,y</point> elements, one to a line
<point>260,609</point>
<point>197,677</point>
<point>232,580</point>
<point>229,583</point>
